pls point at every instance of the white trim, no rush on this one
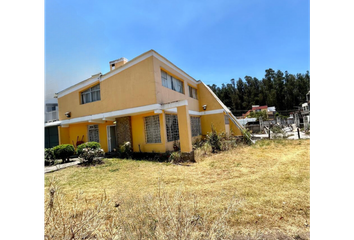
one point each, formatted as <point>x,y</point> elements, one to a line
<point>174,67</point>
<point>79,85</point>
<point>56,123</point>
<point>127,65</point>
<point>110,116</point>
<point>212,112</point>
<point>217,99</point>
<point>174,104</point>
<point>114,114</point>
<point>99,77</point>
<point>109,133</point>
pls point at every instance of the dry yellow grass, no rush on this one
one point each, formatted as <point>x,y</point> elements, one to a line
<point>255,190</point>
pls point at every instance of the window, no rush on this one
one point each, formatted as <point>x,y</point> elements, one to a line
<point>196,126</point>
<point>113,66</point>
<point>91,95</point>
<point>192,92</point>
<point>172,127</point>
<point>171,82</point>
<point>93,135</point>
<point>152,129</point>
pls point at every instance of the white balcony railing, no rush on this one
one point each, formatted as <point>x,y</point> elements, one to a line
<point>51,116</point>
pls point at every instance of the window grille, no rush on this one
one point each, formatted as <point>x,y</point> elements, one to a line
<point>196,126</point>
<point>93,134</point>
<point>172,127</point>
<point>152,129</point>
<point>91,95</point>
<point>171,82</point>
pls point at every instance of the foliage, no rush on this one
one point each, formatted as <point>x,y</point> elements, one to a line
<point>49,154</point>
<point>90,154</point>
<point>283,90</point>
<point>126,150</point>
<point>91,145</point>
<point>214,140</point>
<point>246,136</point>
<point>64,151</point>
<point>259,114</point>
<point>175,157</point>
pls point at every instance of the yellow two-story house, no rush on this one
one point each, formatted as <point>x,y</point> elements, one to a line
<point>147,101</point>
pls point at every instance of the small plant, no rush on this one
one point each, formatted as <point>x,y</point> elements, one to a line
<point>126,150</point>
<point>64,151</point>
<point>91,145</point>
<point>90,154</point>
<point>213,139</point>
<point>246,136</point>
<point>175,157</point>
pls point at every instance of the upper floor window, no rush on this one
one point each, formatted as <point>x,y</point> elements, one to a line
<point>91,95</point>
<point>171,82</point>
<point>192,92</point>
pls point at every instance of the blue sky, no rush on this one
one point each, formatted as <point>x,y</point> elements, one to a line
<point>212,41</point>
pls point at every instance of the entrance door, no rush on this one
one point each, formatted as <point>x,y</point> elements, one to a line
<point>111,134</point>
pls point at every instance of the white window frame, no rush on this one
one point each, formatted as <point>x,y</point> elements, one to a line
<point>88,95</point>
<point>94,129</point>
<point>172,82</point>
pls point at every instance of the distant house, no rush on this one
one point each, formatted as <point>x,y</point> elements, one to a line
<point>51,119</point>
<point>147,101</point>
<point>256,108</point>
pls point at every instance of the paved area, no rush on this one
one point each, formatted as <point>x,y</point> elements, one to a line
<point>49,169</point>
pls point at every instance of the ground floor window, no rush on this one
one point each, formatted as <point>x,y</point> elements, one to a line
<point>152,129</point>
<point>196,126</point>
<point>93,134</point>
<point>172,129</point>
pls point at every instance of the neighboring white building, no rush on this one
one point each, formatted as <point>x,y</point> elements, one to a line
<point>51,111</point>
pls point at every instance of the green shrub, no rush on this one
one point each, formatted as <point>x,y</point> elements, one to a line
<point>64,151</point>
<point>90,154</point>
<point>91,145</point>
<point>175,157</point>
<point>48,157</point>
<point>49,154</point>
<point>214,140</point>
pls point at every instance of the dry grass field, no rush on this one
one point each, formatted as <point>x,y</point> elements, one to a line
<point>250,192</point>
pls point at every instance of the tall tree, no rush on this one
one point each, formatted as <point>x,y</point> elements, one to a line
<point>283,90</point>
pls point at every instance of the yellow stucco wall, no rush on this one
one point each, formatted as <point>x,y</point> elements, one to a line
<point>217,120</point>
<point>138,134</point>
<point>75,132</point>
<point>234,129</point>
<point>206,98</point>
<point>166,95</point>
<point>184,126</point>
<point>132,87</point>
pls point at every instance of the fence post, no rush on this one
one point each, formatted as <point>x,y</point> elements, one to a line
<point>298,132</point>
